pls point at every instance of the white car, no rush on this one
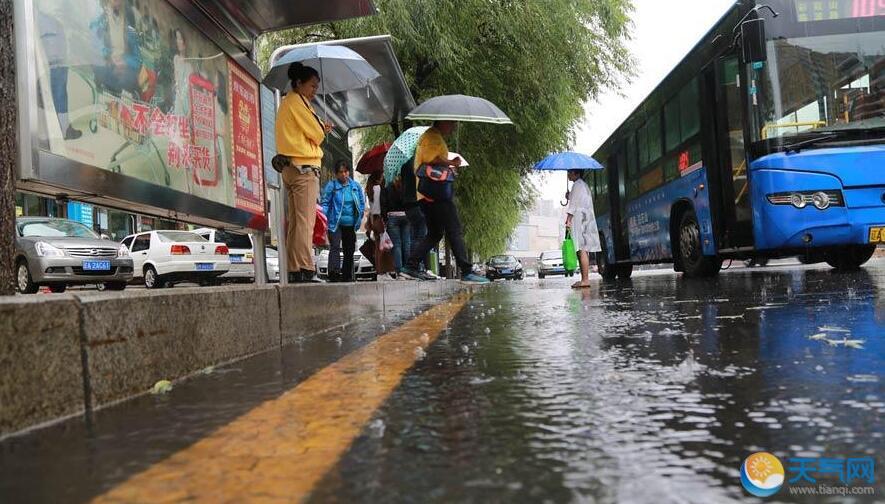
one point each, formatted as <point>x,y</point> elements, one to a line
<point>242,255</point>
<point>164,258</point>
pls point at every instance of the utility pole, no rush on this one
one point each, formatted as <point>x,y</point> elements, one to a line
<point>8,147</point>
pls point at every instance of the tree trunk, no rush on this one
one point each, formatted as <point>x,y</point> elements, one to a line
<point>8,148</point>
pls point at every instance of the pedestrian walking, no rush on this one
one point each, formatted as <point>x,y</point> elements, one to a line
<point>581,221</point>
<point>375,229</point>
<point>433,166</point>
<point>344,206</point>
<point>300,134</point>
<point>397,224</point>
<point>414,215</point>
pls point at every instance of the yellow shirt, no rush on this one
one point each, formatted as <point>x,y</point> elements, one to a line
<point>298,131</point>
<point>431,146</point>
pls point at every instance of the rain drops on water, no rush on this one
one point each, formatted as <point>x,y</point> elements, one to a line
<point>420,354</point>
<point>487,330</point>
<point>425,339</point>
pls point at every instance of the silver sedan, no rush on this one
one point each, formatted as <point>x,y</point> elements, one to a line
<point>62,252</point>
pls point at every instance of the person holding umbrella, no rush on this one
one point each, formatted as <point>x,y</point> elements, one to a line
<point>343,204</point>
<point>299,134</point>
<point>441,213</point>
<point>581,221</point>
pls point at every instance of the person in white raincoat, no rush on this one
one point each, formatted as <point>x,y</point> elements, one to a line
<point>582,222</point>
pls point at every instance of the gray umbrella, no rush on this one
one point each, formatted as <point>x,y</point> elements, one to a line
<point>459,108</point>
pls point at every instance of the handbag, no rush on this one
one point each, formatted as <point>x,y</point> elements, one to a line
<point>436,182</point>
<point>386,242</point>
<point>279,162</point>
<point>320,227</point>
<point>569,255</point>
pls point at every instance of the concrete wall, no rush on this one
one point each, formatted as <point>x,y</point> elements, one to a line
<point>61,355</point>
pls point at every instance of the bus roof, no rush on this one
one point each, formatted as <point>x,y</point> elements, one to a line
<point>689,66</point>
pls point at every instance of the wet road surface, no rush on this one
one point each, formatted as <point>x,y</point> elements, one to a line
<point>654,389</point>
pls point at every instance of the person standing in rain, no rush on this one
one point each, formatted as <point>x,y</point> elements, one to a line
<point>581,221</point>
<point>343,204</point>
<point>300,134</point>
<point>442,216</point>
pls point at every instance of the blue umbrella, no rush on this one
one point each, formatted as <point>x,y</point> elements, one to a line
<point>402,150</point>
<point>562,161</point>
<point>341,68</point>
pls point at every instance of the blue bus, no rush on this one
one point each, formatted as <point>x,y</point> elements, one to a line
<point>767,140</point>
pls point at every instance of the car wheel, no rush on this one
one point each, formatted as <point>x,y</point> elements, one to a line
<point>625,271</point>
<point>151,279</point>
<point>114,286</point>
<point>23,281</point>
<point>851,258</point>
<point>58,288</point>
<point>691,253</point>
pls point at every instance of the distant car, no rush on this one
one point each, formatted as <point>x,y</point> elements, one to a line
<point>242,255</point>
<point>505,267</point>
<point>362,267</point>
<point>531,272</point>
<point>62,252</point>
<point>164,258</point>
<point>550,263</point>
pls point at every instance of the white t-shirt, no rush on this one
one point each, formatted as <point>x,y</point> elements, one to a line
<point>579,197</point>
<point>375,209</point>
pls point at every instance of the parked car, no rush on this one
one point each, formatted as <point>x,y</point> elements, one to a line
<point>62,252</point>
<point>504,266</point>
<point>362,267</point>
<point>272,259</point>
<point>550,263</point>
<point>164,258</point>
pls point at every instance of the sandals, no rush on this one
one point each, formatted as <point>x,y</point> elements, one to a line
<point>579,285</point>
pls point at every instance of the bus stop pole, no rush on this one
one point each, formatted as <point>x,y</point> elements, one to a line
<point>279,219</point>
<point>258,257</point>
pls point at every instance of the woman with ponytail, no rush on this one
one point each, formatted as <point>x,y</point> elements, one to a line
<point>300,133</point>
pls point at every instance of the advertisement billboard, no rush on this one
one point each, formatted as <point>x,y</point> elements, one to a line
<point>134,89</point>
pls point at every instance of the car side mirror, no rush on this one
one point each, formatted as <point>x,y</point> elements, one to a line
<point>753,41</point>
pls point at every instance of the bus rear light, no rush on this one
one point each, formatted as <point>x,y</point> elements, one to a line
<point>819,199</point>
<point>180,250</point>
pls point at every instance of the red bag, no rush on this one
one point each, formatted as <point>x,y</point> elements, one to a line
<point>320,228</point>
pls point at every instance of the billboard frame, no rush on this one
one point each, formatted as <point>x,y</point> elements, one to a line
<point>51,175</point>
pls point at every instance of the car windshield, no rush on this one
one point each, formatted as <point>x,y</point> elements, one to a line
<point>503,260</point>
<point>56,228</point>
<point>823,82</point>
<point>179,236</point>
<point>233,240</point>
<point>552,254</point>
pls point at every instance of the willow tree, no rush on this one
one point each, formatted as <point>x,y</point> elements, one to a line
<point>538,60</point>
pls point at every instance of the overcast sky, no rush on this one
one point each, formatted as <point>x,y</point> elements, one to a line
<point>664,31</point>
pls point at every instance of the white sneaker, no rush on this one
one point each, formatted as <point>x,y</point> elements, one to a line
<point>432,275</point>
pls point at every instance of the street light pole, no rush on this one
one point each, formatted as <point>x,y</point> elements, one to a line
<point>9,154</point>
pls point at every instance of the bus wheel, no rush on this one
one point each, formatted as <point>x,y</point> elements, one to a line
<point>606,271</point>
<point>851,258</point>
<point>691,253</point>
<point>625,271</point>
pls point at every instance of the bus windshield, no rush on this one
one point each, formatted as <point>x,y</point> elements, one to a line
<point>819,82</point>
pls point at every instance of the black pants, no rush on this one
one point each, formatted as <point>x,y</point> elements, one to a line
<point>442,219</point>
<point>419,231</point>
<point>345,238</point>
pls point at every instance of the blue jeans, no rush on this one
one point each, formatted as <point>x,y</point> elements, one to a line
<point>419,230</point>
<point>401,235</point>
<point>346,236</point>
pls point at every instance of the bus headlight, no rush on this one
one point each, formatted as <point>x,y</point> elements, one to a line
<point>821,200</point>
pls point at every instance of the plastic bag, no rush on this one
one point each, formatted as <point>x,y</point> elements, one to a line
<point>569,255</point>
<point>320,228</point>
<point>386,242</point>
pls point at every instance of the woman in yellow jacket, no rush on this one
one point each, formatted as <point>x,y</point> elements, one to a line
<point>300,133</point>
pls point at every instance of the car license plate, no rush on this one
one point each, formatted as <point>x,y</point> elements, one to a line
<point>505,272</point>
<point>877,234</point>
<point>236,259</point>
<point>205,266</point>
<point>96,265</point>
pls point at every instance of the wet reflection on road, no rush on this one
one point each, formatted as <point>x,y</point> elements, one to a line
<point>650,390</point>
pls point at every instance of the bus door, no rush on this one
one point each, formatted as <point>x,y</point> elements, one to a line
<point>732,157</point>
<point>618,191</point>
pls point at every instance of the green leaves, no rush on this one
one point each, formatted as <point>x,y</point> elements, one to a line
<point>538,60</point>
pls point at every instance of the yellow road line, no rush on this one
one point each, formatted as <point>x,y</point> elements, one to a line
<point>282,448</point>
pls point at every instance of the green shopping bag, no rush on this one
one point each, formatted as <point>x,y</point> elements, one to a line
<point>569,255</point>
